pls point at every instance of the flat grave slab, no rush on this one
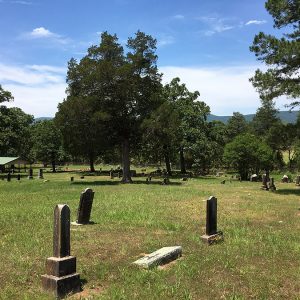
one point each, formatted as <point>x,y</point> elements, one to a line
<point>159,257</point>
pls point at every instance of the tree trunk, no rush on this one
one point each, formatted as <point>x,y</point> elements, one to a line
<point>92,167</point>
<point>182,161</point>
<point>167,161</point>
<point>268,175</point>
<point>126,161</point>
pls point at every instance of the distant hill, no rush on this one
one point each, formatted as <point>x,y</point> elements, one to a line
<point>42,119</point>
<point>285,116</point>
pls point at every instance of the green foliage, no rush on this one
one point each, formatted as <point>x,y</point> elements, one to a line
<point>246,153</point>
<point>282,55</point>
<point>5,96</point>
<point>236,125</point>
<point>47,142</point>
<point>15,132</point>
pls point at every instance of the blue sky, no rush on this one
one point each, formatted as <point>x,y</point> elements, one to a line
<point>205,43</point>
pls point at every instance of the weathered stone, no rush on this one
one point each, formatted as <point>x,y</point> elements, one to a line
<point>61,278</point>
<point>8,177</point>
<point>264,182</point>
<point>18,177</point>
<point>30,174</point>
<point>272,186</point>
<point>85,206</point>
<point>285,178</point>
<point>40,174</point>
<point>298,180</point>
<point>211,232</point>
<point>159,257</point>
<point>72,178</point>
<point>61,234</point>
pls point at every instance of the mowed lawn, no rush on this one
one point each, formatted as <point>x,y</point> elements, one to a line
<point>259,258</point>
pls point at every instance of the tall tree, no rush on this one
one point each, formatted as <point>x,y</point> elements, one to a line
<point>282,55</point>
<point>236,125</point>
<point>47,142</point>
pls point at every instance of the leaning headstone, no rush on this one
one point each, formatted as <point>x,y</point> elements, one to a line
<point>85,207</point>
<point>8,177</point>
<point>40,174</point>
<point>30,174</point>
<point>61,277</point>
<point>159,257</point>
<point>211,233</point>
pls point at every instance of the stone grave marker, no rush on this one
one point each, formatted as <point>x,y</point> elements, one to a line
<point>285,178</point>
<point>40,174</point>
<point>30,174</point>
<point>211,233</point>
<point>298,180</point>
<point>159,257</point>
<point>18,177</point>
<point>8,177</point>
<point>264,182</point>
<point>272,186</point>
<point>72,178</point>
<point>61,277</point>
<point>85,207</point>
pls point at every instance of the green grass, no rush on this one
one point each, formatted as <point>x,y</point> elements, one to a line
<point>259,258</point>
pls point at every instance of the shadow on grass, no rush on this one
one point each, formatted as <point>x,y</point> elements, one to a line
<point>288,192</point>
<point>106,182</point>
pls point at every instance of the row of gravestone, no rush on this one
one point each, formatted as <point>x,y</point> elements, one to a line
<point>30,175</point>
<point>61,277</point>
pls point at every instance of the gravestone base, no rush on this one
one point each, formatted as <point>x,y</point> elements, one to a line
<point>213,238</point>
<point>61,278</point>
<point>61,286</point>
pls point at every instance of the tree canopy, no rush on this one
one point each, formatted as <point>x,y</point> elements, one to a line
<point>281,55</point>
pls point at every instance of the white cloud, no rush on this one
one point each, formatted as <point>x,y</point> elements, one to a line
<point>37,89</point>
<point>165,40</point>
<point>224,89</point>
<point>256,22</point>
<point>215,25</point>
<point>178,17</point>
<point>45,34</point>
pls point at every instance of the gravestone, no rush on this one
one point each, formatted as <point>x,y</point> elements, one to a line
<point>72,178</point>
<point>253,178</point>
<point>8,177</point>
<point>18,177</point>
<point>40,174</point>
<point>159,257</point>
<point>165,181</point>
<point>211,233</point>
<point>61,277</point>
<point>285,178</point>
<point>298,180</point>
<point>85,207</point>
<point>272,186</point>
<point>30,174</point>
<point>264,182</point>
<point>111,174</point>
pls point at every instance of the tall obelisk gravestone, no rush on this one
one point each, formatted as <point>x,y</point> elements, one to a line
<point>61,278</point>
<point>211,234</point>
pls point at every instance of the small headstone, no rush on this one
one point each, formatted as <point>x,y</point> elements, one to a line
<point>298,180</point>
<point>18,177</point>
<point>285,178</point>
<point>61,277</point>
<point>72,178</point>
<point>253,177</point>
<point>223,181</point>
<point>272,186</point>
<point>159,257</point>
<point>8,177</point>
<point>165,181</point>
<point>40,174</point>
<point>211,233</point>
<point>30,174</point>
<point>85,207</point>
<point>81,177</point>
<point>264,183</point>
<point>111,174</point>
<point>184,179</point>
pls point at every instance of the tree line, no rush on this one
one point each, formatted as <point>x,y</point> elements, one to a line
<point>118,111</point>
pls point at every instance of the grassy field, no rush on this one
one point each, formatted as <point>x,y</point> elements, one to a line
<point>259,258</point>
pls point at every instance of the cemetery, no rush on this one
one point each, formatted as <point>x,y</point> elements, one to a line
<point>117,179</point>
<point>123,224</point>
